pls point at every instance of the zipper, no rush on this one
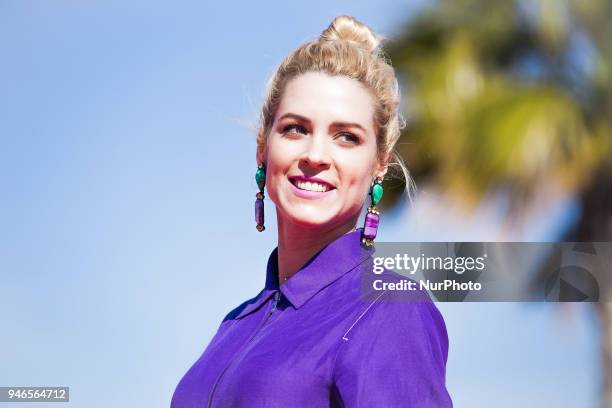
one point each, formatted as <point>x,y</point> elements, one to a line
<point>277,297</point>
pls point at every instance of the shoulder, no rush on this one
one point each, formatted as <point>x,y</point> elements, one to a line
<point>391,298</point>
<point>234,313</point>
<point>401,322</point>
<point>393,317</point>
<point>395,348</point>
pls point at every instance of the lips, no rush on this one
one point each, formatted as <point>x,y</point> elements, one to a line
<point>312,184</point>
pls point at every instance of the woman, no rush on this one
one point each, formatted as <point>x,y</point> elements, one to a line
<point>309,339</point>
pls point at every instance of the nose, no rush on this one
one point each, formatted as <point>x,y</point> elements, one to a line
<point>316,153</point>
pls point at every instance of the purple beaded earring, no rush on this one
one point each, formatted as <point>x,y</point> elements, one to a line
<point>372,218</point>
<point>260,178</point>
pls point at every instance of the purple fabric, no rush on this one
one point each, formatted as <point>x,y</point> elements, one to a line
<point>322,345</point>
<point>371,225</point>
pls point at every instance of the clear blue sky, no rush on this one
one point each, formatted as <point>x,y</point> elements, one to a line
<point>126,204</point>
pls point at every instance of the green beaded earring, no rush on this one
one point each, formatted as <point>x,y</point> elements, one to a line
<point>260,178</point>
<point>372,218</point>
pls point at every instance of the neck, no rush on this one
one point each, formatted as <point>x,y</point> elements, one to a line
<point>296,244</point>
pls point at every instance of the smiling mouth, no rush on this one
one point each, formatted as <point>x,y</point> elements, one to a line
<point>309,185</point>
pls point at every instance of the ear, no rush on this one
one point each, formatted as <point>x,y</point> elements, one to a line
<point>260,154</point>
<point>382,167</point>
<point>382,173</point>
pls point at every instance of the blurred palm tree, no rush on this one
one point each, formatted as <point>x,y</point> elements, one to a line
<point>512,96</point>
<point>506,94</point>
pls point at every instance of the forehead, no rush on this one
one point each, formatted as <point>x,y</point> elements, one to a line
<point>324,98</point>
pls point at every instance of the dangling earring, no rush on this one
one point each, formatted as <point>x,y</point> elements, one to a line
<point>260,178</point>
<point>370,227</point>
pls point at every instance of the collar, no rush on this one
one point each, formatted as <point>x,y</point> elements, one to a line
<point>325,267</point>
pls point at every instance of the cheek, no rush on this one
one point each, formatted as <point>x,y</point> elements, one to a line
<point>280,153</point>
<point>278,161</point>
<point>357,176</point>
<point>273,158</point>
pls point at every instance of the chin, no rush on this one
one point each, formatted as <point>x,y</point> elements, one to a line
<point>310,222</point>
<point>310,218</point>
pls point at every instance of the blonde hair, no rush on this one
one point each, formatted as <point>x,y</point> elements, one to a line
<point>346,48</point>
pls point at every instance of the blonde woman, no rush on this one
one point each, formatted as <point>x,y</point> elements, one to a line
<point>328,127</point>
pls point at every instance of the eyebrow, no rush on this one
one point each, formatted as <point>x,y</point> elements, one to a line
<point>335,125</point>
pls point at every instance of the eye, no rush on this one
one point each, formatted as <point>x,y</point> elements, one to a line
<point>294,128</point>
<point>349,138</point>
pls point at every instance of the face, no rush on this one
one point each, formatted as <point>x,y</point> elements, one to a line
<point>321,151</point>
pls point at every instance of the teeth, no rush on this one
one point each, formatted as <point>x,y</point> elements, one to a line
<point>310,186</point>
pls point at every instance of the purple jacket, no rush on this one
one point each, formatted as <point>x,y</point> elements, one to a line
<point>318,343</point>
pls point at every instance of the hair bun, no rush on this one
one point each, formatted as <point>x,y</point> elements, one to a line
<point>350,29</point>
